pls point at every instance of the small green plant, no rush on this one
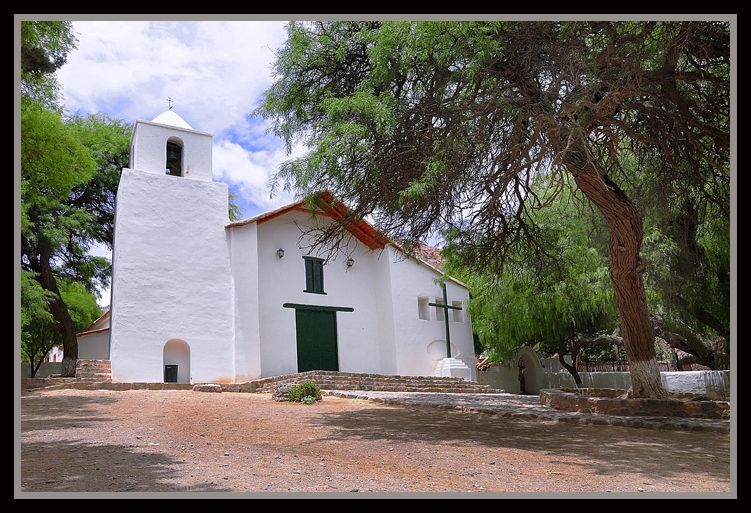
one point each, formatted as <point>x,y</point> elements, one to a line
<point>308,399</point>
<point>307,388</point>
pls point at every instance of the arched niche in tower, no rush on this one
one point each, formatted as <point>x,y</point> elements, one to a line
<point>174,157</point>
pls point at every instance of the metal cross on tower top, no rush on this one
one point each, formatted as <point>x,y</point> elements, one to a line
<point>169,102</point>
<point>446,308</point>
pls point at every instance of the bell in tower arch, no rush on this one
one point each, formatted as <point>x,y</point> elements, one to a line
<point>174,162</point>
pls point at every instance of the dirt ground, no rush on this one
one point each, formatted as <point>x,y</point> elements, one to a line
<point>143,440</point>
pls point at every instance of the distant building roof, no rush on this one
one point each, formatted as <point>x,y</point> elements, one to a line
<point>430,254</point>
<point>102,323</point>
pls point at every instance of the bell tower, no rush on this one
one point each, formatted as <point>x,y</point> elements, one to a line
<point>172,313</point>
<point>169,145</point>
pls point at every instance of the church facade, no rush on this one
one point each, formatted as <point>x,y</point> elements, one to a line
<point>197,298</point>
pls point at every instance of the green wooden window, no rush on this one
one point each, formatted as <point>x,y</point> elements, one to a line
<point>314,275</point>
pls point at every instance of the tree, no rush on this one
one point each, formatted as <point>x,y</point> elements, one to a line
<point>560,309</point>
<point>37,324</point>
<point>429,126</point>
<point>688,247</point>
<point>69,177</point>
<point>39,333</point>
<point>44,49</point>
<point>233,209</point>
<point>53,164</point>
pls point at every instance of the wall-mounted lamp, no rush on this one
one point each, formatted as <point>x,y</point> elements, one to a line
<point>350,262</point>
<point>280,252</point>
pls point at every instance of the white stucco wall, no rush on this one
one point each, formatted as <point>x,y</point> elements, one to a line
<point>418,341</point>
<point>385,313</point>
<point>94,346</point>
<point>244,261</point>
<point>171,277</point>
<point>383,335</point>
<point>359,333</point>
<point>149,150</point>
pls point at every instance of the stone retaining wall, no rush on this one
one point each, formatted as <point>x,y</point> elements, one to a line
<point>608,402</point>
<point>713,384</point>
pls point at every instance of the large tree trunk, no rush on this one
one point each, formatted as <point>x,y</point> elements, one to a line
<point>60,313</point>
<point>626,268</point>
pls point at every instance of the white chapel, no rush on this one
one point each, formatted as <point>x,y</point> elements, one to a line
<point>197,298</point>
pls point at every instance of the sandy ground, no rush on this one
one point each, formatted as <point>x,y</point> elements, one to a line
<point>142,440</point>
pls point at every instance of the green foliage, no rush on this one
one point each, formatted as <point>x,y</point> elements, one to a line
<point>81,304</point>
<point>233,209</point>
<point>69,176</point>
<point>307,388</point>
<point>430,126</point>
<point>70,170</point>
<point>44,49</point>
<point>687,249</point>
<point>108,143</point>
<point>37,324</point>
<point>544,307</point>
<point>53,162</point>
<point>39,332</point>
<point>308,399</point>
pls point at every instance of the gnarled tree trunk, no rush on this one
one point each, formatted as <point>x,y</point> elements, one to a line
<point>60,313</point>
<point>570,368</point>
<point>626,269</point>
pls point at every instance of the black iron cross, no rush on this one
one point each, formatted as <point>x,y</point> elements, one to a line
<point>446,307</point>
<point>169,102</point>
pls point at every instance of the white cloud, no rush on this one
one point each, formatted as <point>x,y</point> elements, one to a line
<point>215,71</point>
<point>252,171</point>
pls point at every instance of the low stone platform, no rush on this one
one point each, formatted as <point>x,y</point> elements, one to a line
<point>87,371</point>
<point>71,383</point>
<point>31,383</point>
<point>332,380</point>
<point>93,370</point>
<point>611,401</point>
<point>528,407</point>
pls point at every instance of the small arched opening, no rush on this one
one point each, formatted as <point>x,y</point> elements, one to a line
<point>528,367</point>
<point>174,160</point>
<point>176,361</point>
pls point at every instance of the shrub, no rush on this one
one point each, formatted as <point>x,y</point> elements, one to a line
<point>304,389</point>
<point>308,399</point>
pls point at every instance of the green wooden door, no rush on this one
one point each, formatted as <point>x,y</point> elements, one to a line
<point>316,340</point>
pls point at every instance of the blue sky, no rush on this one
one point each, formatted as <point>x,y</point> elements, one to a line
<point>216,73</point>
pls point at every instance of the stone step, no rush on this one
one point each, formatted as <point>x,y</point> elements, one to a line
<point>359,378</point>
<point>371,380</point>
<point>94,370</point>
<point>328,380</point>
<point>405,384</point>
<point>387,383</point>
<point>321,374</point>
<point>99,363</point>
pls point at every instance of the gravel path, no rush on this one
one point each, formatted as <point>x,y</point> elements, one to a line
<point>529,407</point>
<point>140,440</point>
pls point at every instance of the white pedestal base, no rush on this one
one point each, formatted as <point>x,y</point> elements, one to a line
<point>453,367</point>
